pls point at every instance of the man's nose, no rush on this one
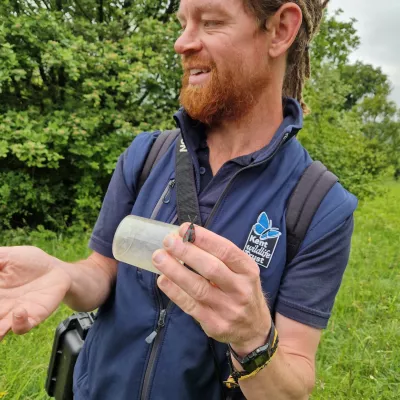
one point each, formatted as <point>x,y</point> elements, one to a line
<point>188,42</point>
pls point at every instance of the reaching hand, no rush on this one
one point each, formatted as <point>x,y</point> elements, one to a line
<point>32,285</point>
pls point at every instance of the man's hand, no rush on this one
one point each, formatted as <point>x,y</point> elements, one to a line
<point>31,288</point>
<point>225,297</point>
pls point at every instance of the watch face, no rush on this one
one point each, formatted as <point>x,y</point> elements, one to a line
<point>256,353</point>
<point>256,362</point>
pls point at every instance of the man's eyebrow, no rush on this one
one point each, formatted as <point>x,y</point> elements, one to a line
<point>217,9</point>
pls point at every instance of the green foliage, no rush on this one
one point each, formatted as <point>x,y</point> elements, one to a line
<point>335,42</point>
<point>352,128</point>
<point>334,136</point>
<point>78,80</point>
<point>364,81</point>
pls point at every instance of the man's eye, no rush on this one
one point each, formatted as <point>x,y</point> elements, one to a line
<point>212,24</point>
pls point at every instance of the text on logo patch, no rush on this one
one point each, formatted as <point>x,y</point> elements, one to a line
<point>262,241</point>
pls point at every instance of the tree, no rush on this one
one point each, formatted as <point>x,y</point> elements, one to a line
<point>346,99</point>
<point>78,80</point>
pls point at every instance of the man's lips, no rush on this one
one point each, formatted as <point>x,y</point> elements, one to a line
<point>198,75</point>
<point>198,79</point>
<point>197,71</point>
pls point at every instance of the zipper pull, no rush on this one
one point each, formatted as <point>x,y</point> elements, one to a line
<point>167,197</point>
<point>160,325</point>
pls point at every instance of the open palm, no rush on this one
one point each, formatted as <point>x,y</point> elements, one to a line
<point>32,285</point>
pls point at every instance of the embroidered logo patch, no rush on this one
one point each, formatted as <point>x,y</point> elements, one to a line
<point>262,241</point>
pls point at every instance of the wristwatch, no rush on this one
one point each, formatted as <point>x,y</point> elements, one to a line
<point>257,358</point>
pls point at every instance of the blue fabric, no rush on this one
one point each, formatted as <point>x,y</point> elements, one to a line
<point>115,357</point>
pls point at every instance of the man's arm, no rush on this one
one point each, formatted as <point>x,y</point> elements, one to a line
<point>91,282</point>
<point>291,373</point>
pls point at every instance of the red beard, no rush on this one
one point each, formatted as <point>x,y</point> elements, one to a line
<point>225,96</point>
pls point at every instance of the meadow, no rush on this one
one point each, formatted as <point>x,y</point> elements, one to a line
<point>359,356</point>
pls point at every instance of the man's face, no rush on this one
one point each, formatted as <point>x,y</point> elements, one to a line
<point>224,57</point>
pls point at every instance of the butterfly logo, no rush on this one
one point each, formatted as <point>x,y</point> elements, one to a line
<point>264,228</point>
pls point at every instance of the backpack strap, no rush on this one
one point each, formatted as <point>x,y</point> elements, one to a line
<point>313,186</point>
<point>187,202</point>
<point>159,148</point>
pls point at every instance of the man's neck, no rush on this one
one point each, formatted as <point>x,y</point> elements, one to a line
<point>231,139</point>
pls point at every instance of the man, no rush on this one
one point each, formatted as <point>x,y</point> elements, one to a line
<point>240,58</point>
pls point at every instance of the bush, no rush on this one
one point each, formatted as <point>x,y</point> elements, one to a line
<point>76,87</point>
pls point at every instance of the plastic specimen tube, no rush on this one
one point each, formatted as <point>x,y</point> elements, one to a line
<point>137,238</point>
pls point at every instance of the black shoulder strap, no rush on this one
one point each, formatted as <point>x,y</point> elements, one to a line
<point>304,202</point>
<point>189,211</point>
<point>159,148</point>
<point>186,193</point>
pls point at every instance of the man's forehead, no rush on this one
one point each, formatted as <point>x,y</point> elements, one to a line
<point>199,6</point>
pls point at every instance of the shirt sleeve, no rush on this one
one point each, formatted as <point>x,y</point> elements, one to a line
<point>121,193</point>
<point>312,280</point>
<point>117,204</point>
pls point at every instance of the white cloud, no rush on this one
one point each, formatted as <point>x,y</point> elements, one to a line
<point>379,29</point>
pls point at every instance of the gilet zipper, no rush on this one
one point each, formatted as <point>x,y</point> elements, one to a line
<point>155,338</point>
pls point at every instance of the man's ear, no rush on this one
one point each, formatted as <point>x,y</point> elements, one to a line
<point>283,28</point>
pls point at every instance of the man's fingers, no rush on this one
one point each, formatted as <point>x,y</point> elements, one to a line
<point>191,283</point>
<point>21,323</point>
<point>223,249</point>
<point>17,320</point>
<point>207,265</point>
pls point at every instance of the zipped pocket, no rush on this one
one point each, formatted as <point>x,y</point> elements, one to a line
<point>167,196</point>
<point>164,199</point>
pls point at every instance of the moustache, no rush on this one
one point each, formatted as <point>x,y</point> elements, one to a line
<point>197,63</point>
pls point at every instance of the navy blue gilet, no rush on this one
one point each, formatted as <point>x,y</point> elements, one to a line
<point>116,362</point>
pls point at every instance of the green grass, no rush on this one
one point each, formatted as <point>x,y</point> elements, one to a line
<point>359,356</point>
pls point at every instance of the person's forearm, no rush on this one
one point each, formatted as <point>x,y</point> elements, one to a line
<point>91,284</point>
<point>287,377</point>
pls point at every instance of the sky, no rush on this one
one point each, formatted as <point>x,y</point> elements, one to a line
<point>378,25</point>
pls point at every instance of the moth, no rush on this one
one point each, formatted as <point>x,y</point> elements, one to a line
<point>190,234</point>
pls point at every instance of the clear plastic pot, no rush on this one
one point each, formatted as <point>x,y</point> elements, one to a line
<point>137,238</point>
